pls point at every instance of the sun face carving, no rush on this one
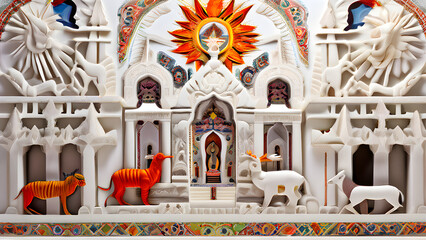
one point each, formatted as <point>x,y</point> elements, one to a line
<point>38,54</point>
<point>395,42</point>
<point>214,28</point>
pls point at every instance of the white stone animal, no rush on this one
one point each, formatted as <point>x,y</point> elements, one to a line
<point>359,194</point>
<point>284,182</point>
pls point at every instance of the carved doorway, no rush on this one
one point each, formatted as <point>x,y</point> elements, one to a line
<point>70,160</point>
<point>36,171</point>
<point>213,144</point>
<point>148,143</point>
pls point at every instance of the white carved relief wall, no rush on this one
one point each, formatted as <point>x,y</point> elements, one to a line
<point>383,56</point>
<point>79,88</point>
<point>47,62</point>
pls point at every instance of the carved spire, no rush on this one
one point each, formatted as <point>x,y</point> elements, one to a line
<point>98,16</point>
<point>14,126</point>
<point>343,127</point>
<point>381,113</point>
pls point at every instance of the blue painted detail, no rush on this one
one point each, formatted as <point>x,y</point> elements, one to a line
<point>179,76</point>
<point>166,61</point>
<point>261,62</point>
<point>356,14</point>
<point>66,12</point>
<point>247,76</point>
<point>190,72</point>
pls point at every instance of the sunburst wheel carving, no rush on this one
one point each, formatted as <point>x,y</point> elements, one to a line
<point>214,28</point>
<point>37,51</point>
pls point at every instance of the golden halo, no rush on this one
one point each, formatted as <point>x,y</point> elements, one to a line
<point>206,21</point>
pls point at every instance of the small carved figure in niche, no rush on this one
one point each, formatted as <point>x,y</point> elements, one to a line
<point>149,91</point>
<point>197,170</point>
<point>50,189</point>
<point>279,93</point>
<point>213,151</point>
<point>141,178</point>
<point>66,9</point>
<point>213,161</point>
<point>360,194</point>
<point>148,155</point>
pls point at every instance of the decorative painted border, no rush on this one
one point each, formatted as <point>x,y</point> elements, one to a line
<point>418,13</point>
<point>214,229</point>
<point>16,4</point>
<point>296,16</point>
<point>131,14</point>
<point>7,13</point>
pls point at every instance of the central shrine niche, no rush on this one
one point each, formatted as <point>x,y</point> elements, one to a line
<point>213,144</point>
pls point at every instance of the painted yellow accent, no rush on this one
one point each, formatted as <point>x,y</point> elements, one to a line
<point>296,188</point>
<point>281,188</point>
<point>196,35</point>
<point>213,115</point>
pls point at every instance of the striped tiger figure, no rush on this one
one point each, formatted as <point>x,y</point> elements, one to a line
<point>142,178</point>
<point>51,189</point>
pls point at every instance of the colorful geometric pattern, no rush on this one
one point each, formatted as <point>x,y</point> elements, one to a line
<point>296,16</point>
<point>131,14</point>
<point>249,73</point>
<point>179,74</point>
<point>418,13</point>
<point>126,27</point>
<point>8,11</point>
<point>215,229</point>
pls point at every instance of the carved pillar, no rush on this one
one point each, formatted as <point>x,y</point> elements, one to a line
<point>380,172</point>
<point>344,162</point>
<point>165,131</point>
<point>53,173</point>
<point>129,152</point>
<point>297,148</point>
<point>16,178</point>
<point>258,139</point>
<point>415,179</point>
<point>89,169</point>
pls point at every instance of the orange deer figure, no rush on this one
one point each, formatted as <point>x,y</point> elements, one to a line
<point>142,178</point>
<point>51,189</point>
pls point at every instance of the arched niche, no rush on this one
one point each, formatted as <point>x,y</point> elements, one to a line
<point>148,91</point>
<point>207,157</point>
<point>141,71</point>
<point>363,169</point>
<point>279,93</point>
<point>398,171</point>
<point>213,123</point>
<point>287,74</point>
<point>70,160</point>
<point>277,141</point>
<point>35,164</point>
<point>148,143</point>
<point>363,166</point>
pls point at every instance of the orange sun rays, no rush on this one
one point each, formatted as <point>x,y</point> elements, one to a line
<point>241,38</point>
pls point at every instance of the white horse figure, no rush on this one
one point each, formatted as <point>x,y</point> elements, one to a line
<point>359,194</point>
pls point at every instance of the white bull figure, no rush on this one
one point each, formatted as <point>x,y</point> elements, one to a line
<point>360,194</point>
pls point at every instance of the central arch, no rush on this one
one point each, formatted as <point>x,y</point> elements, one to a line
<point>213,143</point>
